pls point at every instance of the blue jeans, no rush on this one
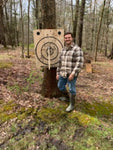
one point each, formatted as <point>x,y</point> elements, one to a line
<point>62,84</point>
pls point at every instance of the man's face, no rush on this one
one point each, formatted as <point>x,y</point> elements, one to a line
<point>68,39</point>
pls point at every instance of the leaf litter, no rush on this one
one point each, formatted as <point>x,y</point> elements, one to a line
<point>20,83</point>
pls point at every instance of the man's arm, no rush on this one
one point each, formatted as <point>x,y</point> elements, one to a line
<point>79,61</point>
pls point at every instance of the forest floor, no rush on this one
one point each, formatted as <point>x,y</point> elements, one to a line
<point>28,121</point>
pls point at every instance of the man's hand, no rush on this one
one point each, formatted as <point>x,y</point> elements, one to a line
<point>71,77</point>
<point>57,77</point>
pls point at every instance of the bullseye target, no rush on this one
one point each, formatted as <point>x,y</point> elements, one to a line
<point>48,44</point>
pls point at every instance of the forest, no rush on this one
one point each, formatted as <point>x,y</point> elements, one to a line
<point>31,115</point>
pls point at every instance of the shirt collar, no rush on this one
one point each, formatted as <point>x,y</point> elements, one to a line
<point>71,46</point>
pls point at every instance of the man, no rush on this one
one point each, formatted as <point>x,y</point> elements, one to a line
<point>70,64</point>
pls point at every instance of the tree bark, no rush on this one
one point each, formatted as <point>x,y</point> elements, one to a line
<point>80,26</point>
<point>111,53</point>
<point>107,27</point>
<point>11,25</point>
<point>36,13</point>
<point>22,29</point>
<point>49,86</point>
<point>28,56</point>
<point>8,37</point>
<point>2,29</point>
<point>76,19</point>
<point>49,14</point>
<point>15,25</point>
<point>93,28</point>
<point>72,12</point>
<point>98,33</point>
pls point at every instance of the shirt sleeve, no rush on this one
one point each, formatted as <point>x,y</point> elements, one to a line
<point>78,61</point>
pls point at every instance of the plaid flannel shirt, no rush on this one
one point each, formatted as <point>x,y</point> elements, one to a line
<point>70,61</point>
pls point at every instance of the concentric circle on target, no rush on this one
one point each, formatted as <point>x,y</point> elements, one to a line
<point>48,47</point>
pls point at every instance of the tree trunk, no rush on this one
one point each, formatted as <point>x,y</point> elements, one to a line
<point>8,37</point>
<point>72,12</point>
<point>98,33</point>
<point>76,19</point>
<point>111,53</point>
<point>93,28</point>
<point>36,5</point>
<point>15,25</point>
<point>49,14</point>
<point>107,27</point>
<point>2,30</point>
<point>28,31</point>
<point>11,25</point>
<point>22,29</point>
<point>80,26</point>
<point>49,86</point>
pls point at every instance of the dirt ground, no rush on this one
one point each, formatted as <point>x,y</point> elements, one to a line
<point>90,86</point>
<point>98,84</point>
<point>21,126</point>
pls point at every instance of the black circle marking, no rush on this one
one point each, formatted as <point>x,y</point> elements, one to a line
<point>59,32</point>
<point>53,48</point>
<point>38,33</point>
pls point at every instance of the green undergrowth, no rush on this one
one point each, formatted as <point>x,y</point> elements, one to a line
<point>11,110</point>
<point>32,78</point>
<point>78,130</point>
<point>15,88</point>
<point>5,64</point>
<point>52,128</point>
<point>50,115</point>
<point>103,110</point>
<point>31,46</point>
<point>31,50</point>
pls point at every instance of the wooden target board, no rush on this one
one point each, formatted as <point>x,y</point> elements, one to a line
<point>48,44</point>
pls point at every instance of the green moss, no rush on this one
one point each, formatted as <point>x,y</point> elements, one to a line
<point>5,64</point>
<point>10,102</point>
<point>23,113</point>
<point>5,117</point>
<point>29,110</point>
<point>9,106</point>
<point>1,101</point>
<point>8,111</point>
<point>21,116</point>
<point>22,109</point>
<point>102,109</point>
<point>50,115</point>
<point>84,119</point>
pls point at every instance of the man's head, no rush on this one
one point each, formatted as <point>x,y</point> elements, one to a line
<point>68,38</point>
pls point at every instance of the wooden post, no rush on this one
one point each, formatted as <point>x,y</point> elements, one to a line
<point>88,66</point>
